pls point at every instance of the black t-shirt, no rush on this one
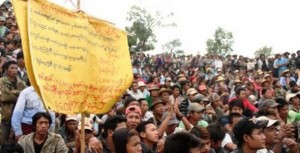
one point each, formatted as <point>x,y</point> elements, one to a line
<point>38,147</point>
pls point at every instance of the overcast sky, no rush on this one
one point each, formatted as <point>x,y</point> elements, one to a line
<point>254,23</point>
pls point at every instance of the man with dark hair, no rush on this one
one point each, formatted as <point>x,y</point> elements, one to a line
<point>131,101</point>
<point>236,106</point>
<point>266,94</point>
<point>68,131</point>
<point>217,134</point>
<point>146,115</point>
<point>275,139</point>
<point>182,142</point>
<point>196,112</point>
<point>41,140</point>
<point>263,63</point>
<point>204,138</point>
<point>249,135</point>
<point>268,106</point>
<point>154,97</point>
<point>297,60</point>
<point>12,148</point>
<point>22,74</point>
<point>110,126</point>
<point>2,59</point>
<point>183,107</point>
<point>283,109</point>
<point>28,104</point>
<point>133,116</point>
<point>11,86</point>
<point>149,136</point>
<point>134,92</point>
<point>241,94</point>
<point>294,88</point>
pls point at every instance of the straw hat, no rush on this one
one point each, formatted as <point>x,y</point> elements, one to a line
<point>153,87</point>
<point>191,91</point>
<point>284,72</point>
<point>237,81</point>
<point>263,81</point>
<point>260,72</point>
<point>220,78</point>
<point>267,75</point>
<point>141,84</point>
<point>162,90</point>
<point>156,103</point>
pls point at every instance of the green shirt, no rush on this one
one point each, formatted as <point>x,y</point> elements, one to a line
<point>200,123</point>
<point>293,117</point>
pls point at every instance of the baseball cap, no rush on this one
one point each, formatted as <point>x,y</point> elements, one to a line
<point>198,98</point>
<point>134,109</point>
<point>172,121</point>
<point>214,97</point>
<point>267,122</point>
<point>88,124</point>
<point>195,107</point>
<point>245,126</point>
<point>141,84</point>
<point>291,95</point>
<point>202,87</point>
<point>191,91</point>
<point>71,117</point>
<point>269,103</point>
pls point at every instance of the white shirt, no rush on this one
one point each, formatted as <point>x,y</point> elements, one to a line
<point>218,64</point>
<point>22,71</point>
<point>137,95</point>
<point>177,129</point>
<point>147,116</point>
<point>145,92</point>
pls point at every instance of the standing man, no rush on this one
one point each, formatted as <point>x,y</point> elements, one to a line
<point>41,140</point>
<point>11,86</point>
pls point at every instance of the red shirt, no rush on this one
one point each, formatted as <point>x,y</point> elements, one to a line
<point>247,104</point>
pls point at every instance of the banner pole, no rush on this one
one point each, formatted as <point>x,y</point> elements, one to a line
<point>82,143</point>
<point>78,5</point>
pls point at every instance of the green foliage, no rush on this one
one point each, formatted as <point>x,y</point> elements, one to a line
<point>221,44</point>
<point>141,36</point>
<point>170,46</point>
<point>267,51</point>
<point>179,52</point>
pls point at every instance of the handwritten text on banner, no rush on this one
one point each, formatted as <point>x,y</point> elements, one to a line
<point>80,64</point>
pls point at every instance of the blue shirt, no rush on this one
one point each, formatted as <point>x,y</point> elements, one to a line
<point>28,104</point>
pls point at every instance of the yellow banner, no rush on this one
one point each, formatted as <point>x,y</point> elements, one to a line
<point>80,64</point>
<point>20,8</point>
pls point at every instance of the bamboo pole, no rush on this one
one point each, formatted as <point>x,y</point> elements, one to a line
<point>78,5</point>
<point>82,143</point>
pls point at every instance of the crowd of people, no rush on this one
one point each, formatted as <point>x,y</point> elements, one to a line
<point>176,104</point>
